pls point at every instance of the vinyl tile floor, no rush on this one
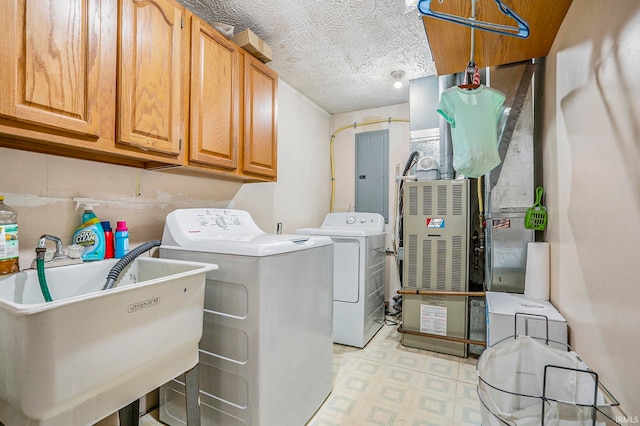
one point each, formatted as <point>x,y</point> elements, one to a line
<point>387,383</point>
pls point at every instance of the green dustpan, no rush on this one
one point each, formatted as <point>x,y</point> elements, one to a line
<point>536,216</point>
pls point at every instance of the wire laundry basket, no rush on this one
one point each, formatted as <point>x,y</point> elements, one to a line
<point>524,381</point>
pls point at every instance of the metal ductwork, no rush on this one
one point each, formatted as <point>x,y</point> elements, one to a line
<point>430,133</point>
<point>446,143</point>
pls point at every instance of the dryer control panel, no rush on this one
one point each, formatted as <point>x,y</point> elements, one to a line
<point>373,222</point>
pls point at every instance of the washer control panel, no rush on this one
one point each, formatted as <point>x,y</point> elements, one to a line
<point>214,218</point>
<point>209,223</point>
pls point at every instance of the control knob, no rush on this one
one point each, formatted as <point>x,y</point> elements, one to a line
<point>221,222</point>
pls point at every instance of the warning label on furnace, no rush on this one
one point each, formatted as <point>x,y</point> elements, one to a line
<point>433,319</point>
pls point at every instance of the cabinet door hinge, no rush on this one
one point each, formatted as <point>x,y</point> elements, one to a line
<point>181,23</point>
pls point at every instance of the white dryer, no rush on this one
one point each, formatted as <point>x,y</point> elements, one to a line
<point>266,352</point>
<point>358,274</point>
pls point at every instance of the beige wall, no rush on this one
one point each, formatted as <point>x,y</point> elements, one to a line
<point>41,187</point>
<point>344,148</point>
<point>592,181</point>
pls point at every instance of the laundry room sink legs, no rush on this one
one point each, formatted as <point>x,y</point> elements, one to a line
<point>130,415</point>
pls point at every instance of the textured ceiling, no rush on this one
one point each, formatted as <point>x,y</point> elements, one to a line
<point>339,53</point>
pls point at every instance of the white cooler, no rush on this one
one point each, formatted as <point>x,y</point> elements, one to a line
<point>533,317</point>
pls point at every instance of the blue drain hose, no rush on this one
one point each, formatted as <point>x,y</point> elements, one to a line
<point>115,271</point>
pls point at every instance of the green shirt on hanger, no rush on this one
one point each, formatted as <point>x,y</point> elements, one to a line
<point>473,116</point>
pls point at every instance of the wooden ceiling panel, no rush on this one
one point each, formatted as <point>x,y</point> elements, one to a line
<point>450,43</point>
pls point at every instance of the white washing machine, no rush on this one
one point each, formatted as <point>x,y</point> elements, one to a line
<point>358,274</point>
<point>266,352</point>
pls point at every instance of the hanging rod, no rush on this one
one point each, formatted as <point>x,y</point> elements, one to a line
<point>521,30</point>
<point>473,32</point>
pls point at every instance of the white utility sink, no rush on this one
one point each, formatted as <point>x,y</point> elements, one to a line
<point>90,352</point>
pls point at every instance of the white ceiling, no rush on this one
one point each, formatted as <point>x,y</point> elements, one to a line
<point>339,53</point>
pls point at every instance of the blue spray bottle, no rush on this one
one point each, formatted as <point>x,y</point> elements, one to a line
<point>90,235</point>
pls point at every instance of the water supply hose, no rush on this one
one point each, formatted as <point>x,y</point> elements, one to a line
<point>44,288</point>
<point>399,235</point>
<point>115,271</point>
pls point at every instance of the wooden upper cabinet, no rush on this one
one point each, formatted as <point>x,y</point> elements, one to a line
<point>125,82</point>
<point>260,119</point>
<point>150,77</point>
<point>51,66</point>
<point>214,98</point>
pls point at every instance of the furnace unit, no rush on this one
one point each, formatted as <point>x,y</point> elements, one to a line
<point>436,253</point>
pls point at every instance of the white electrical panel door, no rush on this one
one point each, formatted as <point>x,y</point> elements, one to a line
<point>372,176</point>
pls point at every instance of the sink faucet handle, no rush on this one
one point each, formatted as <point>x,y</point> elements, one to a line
<point>74,251</point>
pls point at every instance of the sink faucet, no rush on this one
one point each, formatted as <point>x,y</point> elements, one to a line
<point>42,247</point>
<point>60,258</point>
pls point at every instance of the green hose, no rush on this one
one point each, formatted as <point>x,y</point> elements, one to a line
<point>43,281</point>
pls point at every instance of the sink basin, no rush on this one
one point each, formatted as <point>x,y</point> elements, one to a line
<point>89,353</point>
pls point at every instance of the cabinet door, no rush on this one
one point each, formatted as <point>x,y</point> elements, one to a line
<point>50,64</point>
<point>215,96</point>
<point>150,75</point>
<point>260,119</point>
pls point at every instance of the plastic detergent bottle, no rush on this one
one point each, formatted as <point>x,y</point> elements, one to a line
<point>8,239</point>
<point>108,240</point>
<point>122,239</point>
<point>90,234</point>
